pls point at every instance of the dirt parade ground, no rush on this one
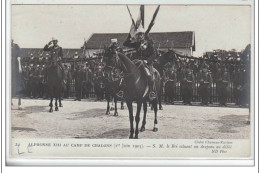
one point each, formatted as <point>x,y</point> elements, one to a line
<point>87,119</point>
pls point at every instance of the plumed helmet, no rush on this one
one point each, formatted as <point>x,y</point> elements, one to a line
<point>140,29</point>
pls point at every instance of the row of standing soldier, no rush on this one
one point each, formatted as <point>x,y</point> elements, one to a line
<point>210,77</point>
<point>205,74</point>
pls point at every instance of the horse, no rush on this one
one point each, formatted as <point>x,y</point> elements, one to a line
<point>137,89</point>
<point>112,80</point>
<point>54,84</point>
<point>159,65</point>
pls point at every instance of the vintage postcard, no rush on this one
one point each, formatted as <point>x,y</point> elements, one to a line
<point>132,82</point>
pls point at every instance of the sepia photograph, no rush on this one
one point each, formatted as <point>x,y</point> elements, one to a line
<point>154,72</point>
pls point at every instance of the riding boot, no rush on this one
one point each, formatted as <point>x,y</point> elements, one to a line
<point>152,94</point>
<point>120,93</point>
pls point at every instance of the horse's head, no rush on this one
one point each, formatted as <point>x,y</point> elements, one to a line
<point>111,61</point>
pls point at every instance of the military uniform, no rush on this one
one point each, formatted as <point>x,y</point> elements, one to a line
<point>170,84</point>
<point>79,77</point>
<point>223,85</point>
<point>56,55</point>
<point>205,82</point>
<point>145,51</point>
<point>16,75</point>
<point>187,84</point>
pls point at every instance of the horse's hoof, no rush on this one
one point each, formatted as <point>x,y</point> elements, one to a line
<point>142,129</point>
<point>155,129</point>
<point>56,108</point>
<point>61,105</point>
<point>131,137</point>
<point>136,136</point>
<point>50,110</point>
<point>111,108</point>
<point>20,108</point>
<point>107,113</point>
<point>116,114</point>
<point>161,108</point>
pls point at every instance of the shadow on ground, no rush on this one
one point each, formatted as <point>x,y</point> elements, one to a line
<point>90,113</point>
<point>228,122</point>
<point>31,109</point>
<point>23,129</point>
<point>111,134</point>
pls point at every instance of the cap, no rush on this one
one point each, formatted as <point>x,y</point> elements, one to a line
<point>54,39</point>
<point>114,40</point>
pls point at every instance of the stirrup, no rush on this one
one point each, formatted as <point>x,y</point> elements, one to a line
<point>152,95</point>
<point>120,94</point>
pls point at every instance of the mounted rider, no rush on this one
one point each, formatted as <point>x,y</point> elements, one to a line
<point>146,52</point>
<point>56,54</point>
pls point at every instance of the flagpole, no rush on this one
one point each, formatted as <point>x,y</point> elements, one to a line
<point>133,22</point>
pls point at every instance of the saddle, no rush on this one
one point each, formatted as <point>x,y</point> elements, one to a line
<point>145,68</point>
<point>147,73</point>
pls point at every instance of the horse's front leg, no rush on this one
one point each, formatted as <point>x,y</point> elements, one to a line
<point>144,118</point>
<point>108,107</point>
<point>155,128</point>
<point>131,118</point>
<point>160,99</point>
<point>137,118</point>
<point>19,102</point>
<point>56,104</point>
<point>51,105</point>
<point>60,104</point>
<point>122,105</point>
<point>115,113</point>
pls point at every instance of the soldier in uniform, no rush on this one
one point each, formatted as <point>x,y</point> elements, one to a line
<point>170,84</point>
<point>223,82</point>
<point>56,54</point>
<point>187,83</point>
<point>205,81</point>
<point>237,87</point>
<point>68,82</point>
<point>145,51</point>
<point>88,79</point>
<point>16,71</point>
<point>79,77</point>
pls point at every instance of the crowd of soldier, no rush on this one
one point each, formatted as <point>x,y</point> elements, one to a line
<point>211,77</point>
<point>207,77</point>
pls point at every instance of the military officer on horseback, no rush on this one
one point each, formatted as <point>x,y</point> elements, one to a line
<point>56,54</point>
<point>146,52</point>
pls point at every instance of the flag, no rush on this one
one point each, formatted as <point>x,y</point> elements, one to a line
<point>140,19</point>
<point>152,21</point>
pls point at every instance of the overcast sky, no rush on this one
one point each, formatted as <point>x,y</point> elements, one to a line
<point>223,27</point>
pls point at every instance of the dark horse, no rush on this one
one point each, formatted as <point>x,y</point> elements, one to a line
<point>137,89</point>
<point>54,84</point>
<point>112,80</point>
<point>159,65</point>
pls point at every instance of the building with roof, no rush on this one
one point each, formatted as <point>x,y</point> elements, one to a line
<point>182,43</point>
